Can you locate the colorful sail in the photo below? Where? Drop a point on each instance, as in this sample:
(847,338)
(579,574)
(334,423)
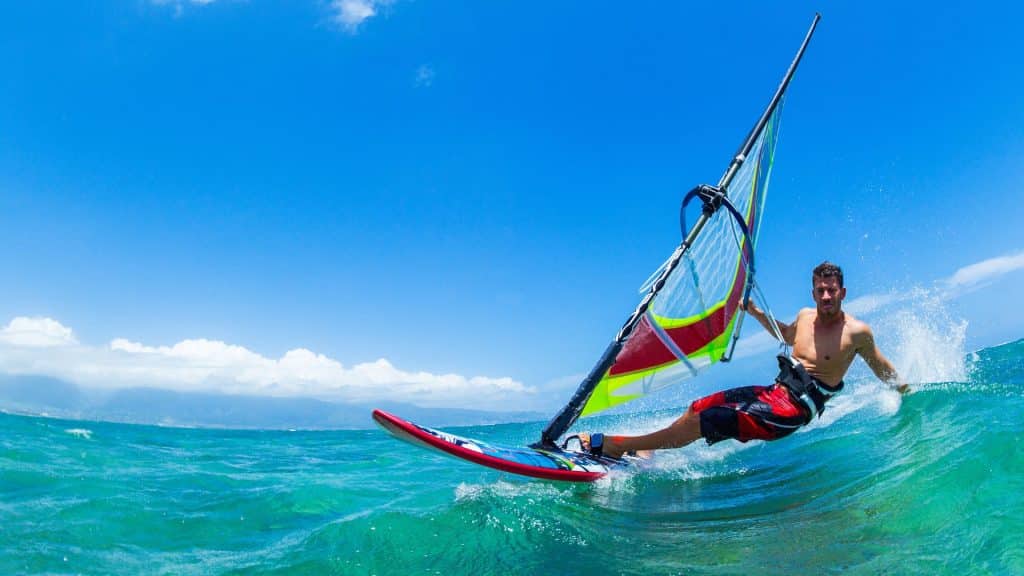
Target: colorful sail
(692,308)
(689,324)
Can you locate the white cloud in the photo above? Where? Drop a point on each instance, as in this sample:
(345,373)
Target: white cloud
(43,346)
(36,332)
(868,303)
(985,272)
(350,14)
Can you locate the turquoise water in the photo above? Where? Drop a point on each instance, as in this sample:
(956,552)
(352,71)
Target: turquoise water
(932,483)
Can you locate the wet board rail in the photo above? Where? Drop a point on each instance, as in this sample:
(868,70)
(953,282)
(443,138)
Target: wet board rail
(547,463)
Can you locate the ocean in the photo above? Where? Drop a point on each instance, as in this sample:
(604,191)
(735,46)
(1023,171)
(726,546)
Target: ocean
(930,483)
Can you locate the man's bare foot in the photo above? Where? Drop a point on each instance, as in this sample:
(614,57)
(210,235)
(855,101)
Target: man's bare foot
(607,449)
(611,447)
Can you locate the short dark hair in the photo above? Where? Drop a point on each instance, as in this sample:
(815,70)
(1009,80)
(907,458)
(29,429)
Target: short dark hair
(828,270)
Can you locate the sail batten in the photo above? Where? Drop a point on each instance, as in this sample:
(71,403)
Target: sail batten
(687,319)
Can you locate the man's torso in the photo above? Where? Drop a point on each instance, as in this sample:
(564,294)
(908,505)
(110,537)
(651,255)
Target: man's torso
(826,349)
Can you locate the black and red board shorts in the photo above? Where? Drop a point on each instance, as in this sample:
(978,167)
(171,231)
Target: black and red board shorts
(749,413)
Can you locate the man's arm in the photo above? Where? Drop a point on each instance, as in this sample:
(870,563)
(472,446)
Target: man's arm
(878,363)
(788,331)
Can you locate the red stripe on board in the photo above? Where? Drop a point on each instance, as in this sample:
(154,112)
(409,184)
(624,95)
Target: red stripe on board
(410,433)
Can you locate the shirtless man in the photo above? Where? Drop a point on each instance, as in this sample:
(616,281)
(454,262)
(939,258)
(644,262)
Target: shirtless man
(825,341)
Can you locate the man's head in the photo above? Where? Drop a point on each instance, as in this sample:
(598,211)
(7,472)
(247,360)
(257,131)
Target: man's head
(827,289)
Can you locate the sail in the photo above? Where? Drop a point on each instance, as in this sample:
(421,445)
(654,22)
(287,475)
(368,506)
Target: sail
(689,324)
(692,309)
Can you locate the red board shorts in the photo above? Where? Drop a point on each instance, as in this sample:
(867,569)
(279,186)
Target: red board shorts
(749,413)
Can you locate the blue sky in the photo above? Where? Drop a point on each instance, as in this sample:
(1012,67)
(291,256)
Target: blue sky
(454,203)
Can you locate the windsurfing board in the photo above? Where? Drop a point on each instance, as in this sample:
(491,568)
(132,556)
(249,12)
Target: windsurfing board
(550,464)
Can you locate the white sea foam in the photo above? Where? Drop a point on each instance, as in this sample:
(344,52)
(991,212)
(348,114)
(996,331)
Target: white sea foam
(80,433)
(505,489)
(366,512)
(859,396)
(921,334)
(929,342)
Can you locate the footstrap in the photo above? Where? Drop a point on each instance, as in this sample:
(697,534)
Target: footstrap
(596,444)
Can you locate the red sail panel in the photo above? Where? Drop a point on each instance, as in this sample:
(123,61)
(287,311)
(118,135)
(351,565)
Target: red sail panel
(644,350)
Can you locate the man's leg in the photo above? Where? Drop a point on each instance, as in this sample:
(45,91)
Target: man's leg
(684,430)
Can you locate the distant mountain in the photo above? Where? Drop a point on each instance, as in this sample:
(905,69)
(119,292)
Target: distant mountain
(43,395)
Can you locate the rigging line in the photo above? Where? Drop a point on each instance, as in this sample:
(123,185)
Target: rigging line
(646,286)
(752,284)
(713,199)
(755,286)
(748,265)
(695,278)
(771,319)
(667,341)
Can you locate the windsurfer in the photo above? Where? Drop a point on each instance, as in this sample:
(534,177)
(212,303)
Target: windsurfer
(825,342)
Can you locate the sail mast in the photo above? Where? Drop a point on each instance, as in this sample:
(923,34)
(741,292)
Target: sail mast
(741,154)
(568,415)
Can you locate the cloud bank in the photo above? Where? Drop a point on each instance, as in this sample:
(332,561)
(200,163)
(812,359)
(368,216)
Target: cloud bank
(43,346)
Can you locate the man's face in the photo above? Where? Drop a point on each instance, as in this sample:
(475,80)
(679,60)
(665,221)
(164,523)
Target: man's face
(828,295)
